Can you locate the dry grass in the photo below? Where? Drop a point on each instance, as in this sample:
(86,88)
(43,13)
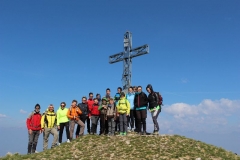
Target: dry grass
(132,147)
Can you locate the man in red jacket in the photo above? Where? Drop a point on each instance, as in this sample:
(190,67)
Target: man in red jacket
(89,103)
(34,129)
(94,114)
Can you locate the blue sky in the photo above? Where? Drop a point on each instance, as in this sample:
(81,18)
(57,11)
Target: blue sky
(53,51)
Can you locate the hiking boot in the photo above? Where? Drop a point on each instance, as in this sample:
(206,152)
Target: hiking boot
(144,133)
(124,133)
(68,141)
(77,136)
(121,133)
(59,144)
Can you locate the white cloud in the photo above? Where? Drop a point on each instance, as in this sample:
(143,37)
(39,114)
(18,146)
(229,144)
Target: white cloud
(23,112)
(207,116)
(2,116)
(184,80)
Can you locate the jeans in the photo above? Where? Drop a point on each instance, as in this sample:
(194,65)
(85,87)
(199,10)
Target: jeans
(32,141)
(154,118)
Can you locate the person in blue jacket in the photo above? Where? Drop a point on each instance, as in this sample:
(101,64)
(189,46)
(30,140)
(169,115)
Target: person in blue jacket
(131,117)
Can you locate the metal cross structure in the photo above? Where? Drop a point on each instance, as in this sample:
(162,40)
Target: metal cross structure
(126,56)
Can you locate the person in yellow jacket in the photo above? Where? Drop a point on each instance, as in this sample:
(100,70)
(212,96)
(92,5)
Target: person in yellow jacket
(123,110)
(48,124)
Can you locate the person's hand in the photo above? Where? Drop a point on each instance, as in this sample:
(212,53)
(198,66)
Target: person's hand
(127,114)
(30,131)
(89,117)
(58,127)
(42,129)
(118,115)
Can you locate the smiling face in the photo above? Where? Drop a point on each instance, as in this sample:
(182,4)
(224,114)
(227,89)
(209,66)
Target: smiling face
(130,90)
(108,92)
(90,96)
(51,108)
(139,89)
(74,104)
(95,101)
(62,105)
(84,100)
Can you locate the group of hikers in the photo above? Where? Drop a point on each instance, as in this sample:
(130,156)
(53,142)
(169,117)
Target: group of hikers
(118,115)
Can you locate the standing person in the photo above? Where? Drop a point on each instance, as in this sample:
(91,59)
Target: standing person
(34,129)
(48,124)
(116,99)
(103,116)
(131,117)
(63,121)
(94,115)
(123,110)
(89,103)
(136,123)
(84,116)
(73,114)
(108,94)
(117,95)
(154,107)
(111,117)
(98,96)
(141,102)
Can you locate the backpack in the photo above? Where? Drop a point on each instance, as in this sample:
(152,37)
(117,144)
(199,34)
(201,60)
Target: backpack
(159,98)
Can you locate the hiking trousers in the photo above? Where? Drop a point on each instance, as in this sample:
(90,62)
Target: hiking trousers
(94,120)
(123,122)
(62,125)
(47,131)
(111,125)
(131,119)
(141,119)
(32,141)
(103,124)
(72,125)
(154,118)
(83,118)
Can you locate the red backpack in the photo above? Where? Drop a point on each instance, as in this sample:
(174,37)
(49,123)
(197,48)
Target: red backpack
(159,98)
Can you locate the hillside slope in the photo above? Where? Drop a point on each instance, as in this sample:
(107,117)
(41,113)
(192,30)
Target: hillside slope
(132,147)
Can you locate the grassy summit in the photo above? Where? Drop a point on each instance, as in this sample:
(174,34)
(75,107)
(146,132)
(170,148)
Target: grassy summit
(132,147)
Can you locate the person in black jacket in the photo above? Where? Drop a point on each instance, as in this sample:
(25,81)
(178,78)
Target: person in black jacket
(84,116)
(141,103)
(154,107)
